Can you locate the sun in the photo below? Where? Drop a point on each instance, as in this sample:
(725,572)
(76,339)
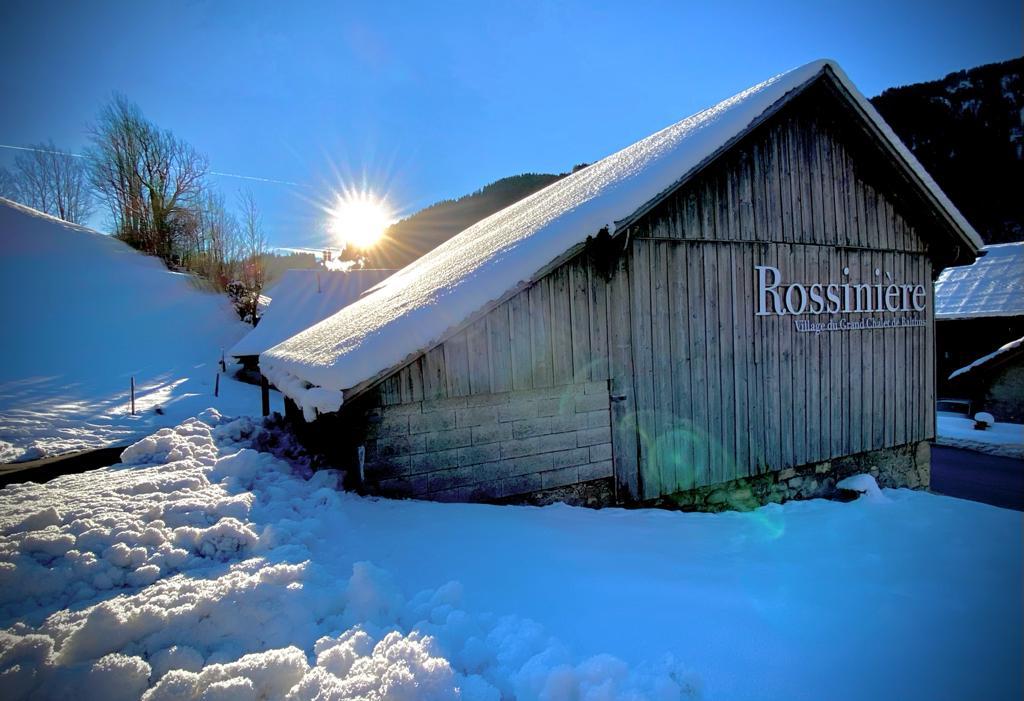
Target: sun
(360,218)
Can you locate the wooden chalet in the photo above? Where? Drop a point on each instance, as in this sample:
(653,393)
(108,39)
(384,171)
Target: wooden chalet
(738,309)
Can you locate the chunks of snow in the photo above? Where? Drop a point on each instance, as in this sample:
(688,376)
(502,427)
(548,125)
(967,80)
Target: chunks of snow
(208,589)
(231,576)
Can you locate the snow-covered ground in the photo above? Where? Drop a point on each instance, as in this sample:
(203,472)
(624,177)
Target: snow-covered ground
(201,568)
(1000,439)
(82,313)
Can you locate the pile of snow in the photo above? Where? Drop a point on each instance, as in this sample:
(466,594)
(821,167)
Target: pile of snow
(863,484)
(414,308)
(203,569)
(991,286)
(82,313)
(999,439)
(302,298)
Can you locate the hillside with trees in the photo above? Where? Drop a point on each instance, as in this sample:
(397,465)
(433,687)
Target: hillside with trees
(410,238)
(155,189)
(967,129)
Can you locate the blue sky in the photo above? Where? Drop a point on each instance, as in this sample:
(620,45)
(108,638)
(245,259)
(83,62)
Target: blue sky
(426,101)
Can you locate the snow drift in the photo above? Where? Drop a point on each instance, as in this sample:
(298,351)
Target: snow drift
(82,313)
(223,582)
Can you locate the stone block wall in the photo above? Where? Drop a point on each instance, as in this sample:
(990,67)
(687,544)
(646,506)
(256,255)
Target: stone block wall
(903,466)
(490,447)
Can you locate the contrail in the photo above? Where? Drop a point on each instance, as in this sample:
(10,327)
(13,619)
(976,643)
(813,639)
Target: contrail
(258,179)
(41,150)
(212,172)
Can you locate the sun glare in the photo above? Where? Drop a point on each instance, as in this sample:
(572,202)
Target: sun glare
(359,219)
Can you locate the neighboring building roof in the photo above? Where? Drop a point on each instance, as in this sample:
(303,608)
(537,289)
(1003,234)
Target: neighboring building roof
(427,299)
(999,354)
(991,286)
(300,299)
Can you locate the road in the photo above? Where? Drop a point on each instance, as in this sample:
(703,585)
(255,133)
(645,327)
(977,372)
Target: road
(977,476)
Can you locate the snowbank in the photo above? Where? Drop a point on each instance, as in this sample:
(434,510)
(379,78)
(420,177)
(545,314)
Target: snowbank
(414,308)
(222,583)
(203,569)
(82,313)
(999,439)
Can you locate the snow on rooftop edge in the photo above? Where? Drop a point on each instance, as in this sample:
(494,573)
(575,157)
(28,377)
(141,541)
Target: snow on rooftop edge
(1005,348)
(302,298)
(991,286)
(415,308)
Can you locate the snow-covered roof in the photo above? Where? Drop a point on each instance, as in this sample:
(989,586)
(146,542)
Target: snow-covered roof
(991,286)
(417,306)
(300,299)
(985,360)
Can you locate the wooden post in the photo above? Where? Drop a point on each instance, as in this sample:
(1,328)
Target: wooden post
(133,395)
(265,395)
(216,386)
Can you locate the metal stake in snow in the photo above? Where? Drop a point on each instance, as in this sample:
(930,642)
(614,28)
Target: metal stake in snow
(216,386)
(133,395)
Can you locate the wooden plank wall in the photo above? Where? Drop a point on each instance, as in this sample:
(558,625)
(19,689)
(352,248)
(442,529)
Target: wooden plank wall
(553,333)
(702,391)
(744,395)
(722,394)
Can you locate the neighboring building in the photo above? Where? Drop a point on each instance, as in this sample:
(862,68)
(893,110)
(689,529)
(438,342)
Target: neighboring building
(300,299)
(736,309)
(994,383)
(978,309)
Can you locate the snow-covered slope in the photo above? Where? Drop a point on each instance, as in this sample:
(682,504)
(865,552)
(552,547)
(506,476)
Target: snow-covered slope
(415,307)
(202,569)
(991,286)
(81,314)
(300,299)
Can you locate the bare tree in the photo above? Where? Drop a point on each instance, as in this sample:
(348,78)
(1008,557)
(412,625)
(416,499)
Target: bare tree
(151,181)
(9,186)
(253,243)
(50,180)
(254,240)
(212,247)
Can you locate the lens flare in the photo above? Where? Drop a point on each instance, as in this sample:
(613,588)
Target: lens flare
(359,219)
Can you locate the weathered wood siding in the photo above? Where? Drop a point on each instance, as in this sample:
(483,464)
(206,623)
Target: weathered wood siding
(515,402)
(721,393)
(554,333)
(702,391)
